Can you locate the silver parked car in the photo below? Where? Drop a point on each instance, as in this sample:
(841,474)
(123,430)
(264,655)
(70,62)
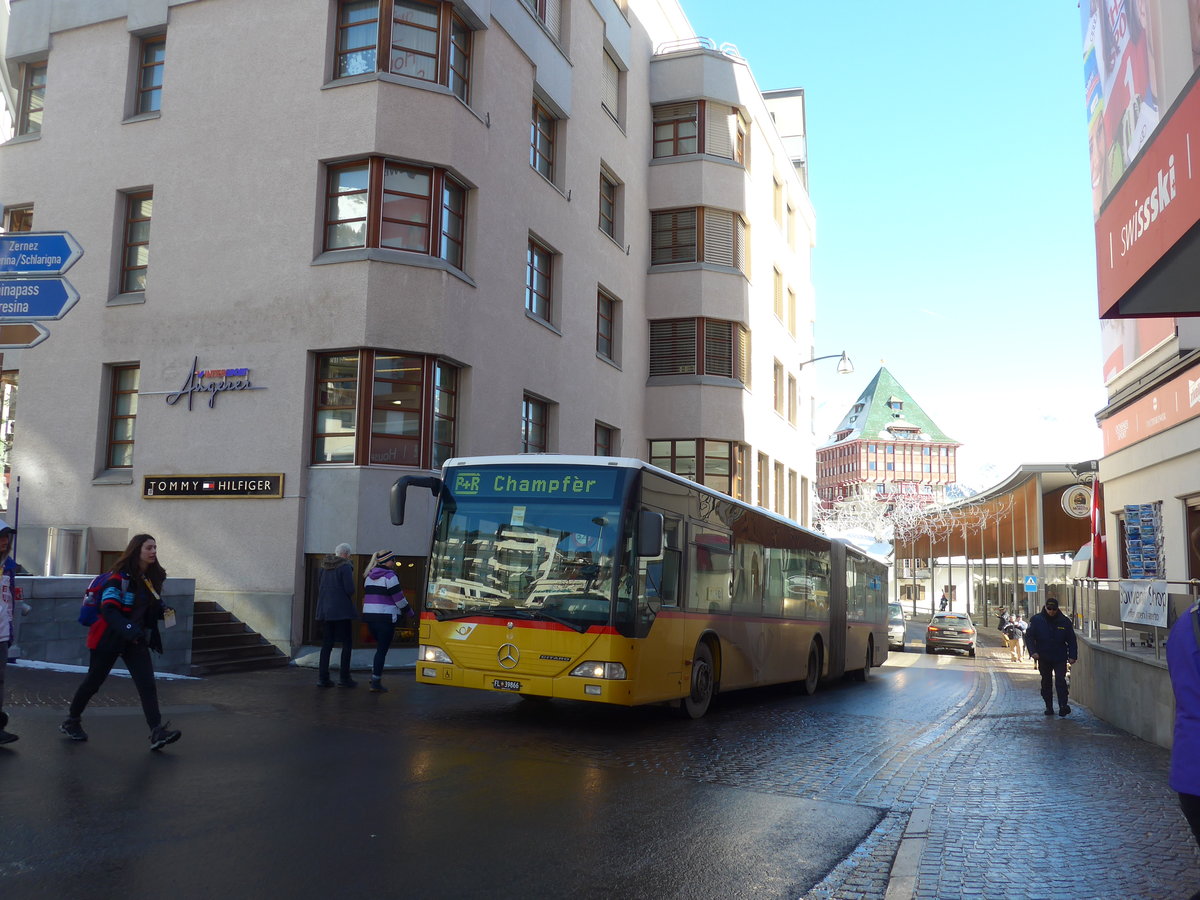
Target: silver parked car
(950,631)
(895,626)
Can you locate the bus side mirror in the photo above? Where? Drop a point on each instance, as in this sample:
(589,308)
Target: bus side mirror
(650,534)
(400,492)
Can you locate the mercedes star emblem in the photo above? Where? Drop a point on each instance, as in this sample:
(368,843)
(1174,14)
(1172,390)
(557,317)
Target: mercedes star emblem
(508,655)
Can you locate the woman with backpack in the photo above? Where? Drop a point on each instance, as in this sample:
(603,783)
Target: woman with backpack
(127,629)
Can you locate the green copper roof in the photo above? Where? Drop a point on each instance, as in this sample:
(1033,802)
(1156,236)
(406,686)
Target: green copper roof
(874,416)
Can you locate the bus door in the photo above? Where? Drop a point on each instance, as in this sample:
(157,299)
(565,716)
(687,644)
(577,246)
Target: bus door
(838,625)
(658,625)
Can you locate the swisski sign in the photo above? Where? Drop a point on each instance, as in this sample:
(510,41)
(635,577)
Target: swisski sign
(37,253)
(32,288)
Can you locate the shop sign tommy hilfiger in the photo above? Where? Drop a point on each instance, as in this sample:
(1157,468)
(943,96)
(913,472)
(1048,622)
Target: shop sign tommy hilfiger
(211,382)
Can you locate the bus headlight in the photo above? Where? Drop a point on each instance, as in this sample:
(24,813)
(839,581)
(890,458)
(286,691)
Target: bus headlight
(429,653)
(608,670)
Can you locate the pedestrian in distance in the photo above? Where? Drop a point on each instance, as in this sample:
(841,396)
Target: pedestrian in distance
(946,602)
(1014,637)
(8,613)
(1183,663)
(130,609)
(1050,640)
(383,603)
(335,607)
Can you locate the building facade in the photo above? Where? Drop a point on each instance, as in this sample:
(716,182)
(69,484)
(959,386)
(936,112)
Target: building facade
(1143,102)
(394,232)
(886,448)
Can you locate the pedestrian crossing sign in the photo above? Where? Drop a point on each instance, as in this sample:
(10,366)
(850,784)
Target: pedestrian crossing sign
(1031,584)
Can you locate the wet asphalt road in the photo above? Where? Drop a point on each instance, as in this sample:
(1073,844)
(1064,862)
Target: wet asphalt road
(282,789)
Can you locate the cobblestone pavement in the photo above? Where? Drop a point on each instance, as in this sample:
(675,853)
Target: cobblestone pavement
(983,798)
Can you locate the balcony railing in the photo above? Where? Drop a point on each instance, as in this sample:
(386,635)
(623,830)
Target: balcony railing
(698,43)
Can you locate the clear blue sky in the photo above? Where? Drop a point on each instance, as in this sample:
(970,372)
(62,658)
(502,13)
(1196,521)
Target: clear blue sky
(948,165)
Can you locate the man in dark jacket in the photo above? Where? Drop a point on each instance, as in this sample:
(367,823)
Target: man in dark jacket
(336,609)
(1050,640)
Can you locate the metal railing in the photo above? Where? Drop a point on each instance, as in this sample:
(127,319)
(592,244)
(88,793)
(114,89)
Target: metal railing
(697,43)
(1096,611)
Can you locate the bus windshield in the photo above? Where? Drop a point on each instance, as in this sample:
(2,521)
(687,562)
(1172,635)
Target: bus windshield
(542,542)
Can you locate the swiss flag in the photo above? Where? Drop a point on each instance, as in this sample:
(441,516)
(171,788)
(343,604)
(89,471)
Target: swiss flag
(1099,541)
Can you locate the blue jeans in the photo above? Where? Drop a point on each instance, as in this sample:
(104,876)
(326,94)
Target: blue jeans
(382,630)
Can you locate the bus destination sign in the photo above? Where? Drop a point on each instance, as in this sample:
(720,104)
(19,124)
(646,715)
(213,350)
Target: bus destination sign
(535,483)
(201,487)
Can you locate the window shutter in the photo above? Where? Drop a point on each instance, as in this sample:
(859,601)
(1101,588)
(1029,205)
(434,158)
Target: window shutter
(743,357)
(718,348)
(612,79)
(720,130)
(673,347)
(671,111)
(739,244)
(554,17)
(719,246)
(673,236)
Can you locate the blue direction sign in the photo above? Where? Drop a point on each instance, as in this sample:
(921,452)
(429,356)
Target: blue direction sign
(30,299)
(37,253)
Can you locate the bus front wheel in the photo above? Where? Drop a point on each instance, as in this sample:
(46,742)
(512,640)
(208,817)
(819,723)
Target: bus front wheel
(812,675)
(695,704)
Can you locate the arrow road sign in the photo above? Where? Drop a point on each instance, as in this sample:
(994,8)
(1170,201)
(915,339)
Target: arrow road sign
(19,335)
(37,253)
(30,299)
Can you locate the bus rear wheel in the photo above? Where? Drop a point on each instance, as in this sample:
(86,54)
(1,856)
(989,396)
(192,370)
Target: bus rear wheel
(695,704)
(812,674)
(864,674)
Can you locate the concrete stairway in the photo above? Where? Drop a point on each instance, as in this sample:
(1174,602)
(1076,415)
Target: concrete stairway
(223,643)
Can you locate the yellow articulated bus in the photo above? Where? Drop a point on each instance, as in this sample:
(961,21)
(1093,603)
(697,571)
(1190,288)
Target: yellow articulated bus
(604,579)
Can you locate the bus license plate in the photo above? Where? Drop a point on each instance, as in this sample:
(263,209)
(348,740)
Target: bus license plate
(502,684)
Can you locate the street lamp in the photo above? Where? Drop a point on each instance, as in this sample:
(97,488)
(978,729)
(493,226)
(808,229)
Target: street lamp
(844,366)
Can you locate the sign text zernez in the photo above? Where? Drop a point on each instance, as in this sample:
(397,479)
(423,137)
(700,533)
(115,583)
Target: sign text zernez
(191,487)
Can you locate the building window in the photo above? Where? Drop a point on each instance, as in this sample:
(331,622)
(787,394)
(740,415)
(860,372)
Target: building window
(606,326)
(539,274)
(18,218)
(778,196)
(699,126)
(764,485)
(392,205)
(122,416)
(610,96)
(608,206)
(135,256)
(535,420)
(792,403)
(792,487)
(409,400)
(700,347)
(791,312)
(697,234)
(779,395)
(779,295)
(150,73)
(549,13)
(33,98)
(606,440)
(424,41)
(780,486)
(542,127)
(715,464)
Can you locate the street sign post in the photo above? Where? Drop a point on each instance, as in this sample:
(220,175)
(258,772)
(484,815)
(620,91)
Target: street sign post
(34,299)
(37,252)
(19,335)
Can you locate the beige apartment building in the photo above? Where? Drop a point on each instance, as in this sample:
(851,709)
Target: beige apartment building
(330,242)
